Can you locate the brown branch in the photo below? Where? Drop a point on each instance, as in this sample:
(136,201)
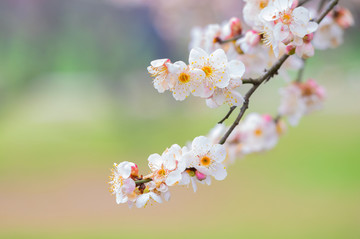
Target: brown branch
(301,72)
(249,81)
(302,2)
(329,7)
(228,40)
(321,5)
(267,76)
(232,108)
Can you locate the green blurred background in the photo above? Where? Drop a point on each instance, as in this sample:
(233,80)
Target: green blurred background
(75,97)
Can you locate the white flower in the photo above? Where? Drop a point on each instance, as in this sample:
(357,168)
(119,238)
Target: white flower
(249,42)
(252,10)
(228,94)
(190,177)
(159,70)
(205,38)
(214,66)
(206,158)
(284,20)
(168,167)
(329,34)
(121,183)
(258,133)
(292,105)
(143,199)
(184,80)
(299,99)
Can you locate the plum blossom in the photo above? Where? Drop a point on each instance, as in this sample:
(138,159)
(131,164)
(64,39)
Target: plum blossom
(228,94)
(299,99)
(207,158)
(159,70)
(167,168)
(283,21)
(214,66)
(122,185)
(258,133)
(252,10)
(185,80)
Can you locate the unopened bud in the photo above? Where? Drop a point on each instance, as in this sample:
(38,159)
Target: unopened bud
(252,38)
(235,26)
(308,38)
(343,17)
(134,171)
(200,176)
(290,49)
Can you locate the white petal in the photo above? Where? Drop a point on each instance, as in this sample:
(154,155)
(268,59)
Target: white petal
(120,197)
(269,13)
(311,27)
(219,172)
(236,69)
(142,200)
(197,57)
(155,161)
(167,195)
(159,62)
(156,197)
(301,15)
(124,169)
(218,59)
(173,178)
(201,145)
(193,183)
(298,29)
(218,153)
(221,77)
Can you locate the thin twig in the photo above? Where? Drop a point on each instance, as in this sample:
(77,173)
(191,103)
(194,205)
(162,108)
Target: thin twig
(301,72)
(329,7)
(268,75)
(303,2)
(249,81)
(229,40)
(321,5)
(232,108)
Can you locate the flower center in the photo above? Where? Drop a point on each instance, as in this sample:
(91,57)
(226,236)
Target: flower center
(205,161)
(263,4)
(258,132)
(208,70)
(161,172)
(286,17)
(184,78)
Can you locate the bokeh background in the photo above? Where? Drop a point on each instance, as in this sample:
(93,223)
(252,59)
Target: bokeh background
(75,97)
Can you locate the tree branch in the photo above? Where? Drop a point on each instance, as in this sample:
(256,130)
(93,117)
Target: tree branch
(329,7)
(267,76)
(232,108)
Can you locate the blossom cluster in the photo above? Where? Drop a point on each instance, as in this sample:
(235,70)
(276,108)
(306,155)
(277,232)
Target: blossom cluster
(197,163)
(223,58)
(209,76)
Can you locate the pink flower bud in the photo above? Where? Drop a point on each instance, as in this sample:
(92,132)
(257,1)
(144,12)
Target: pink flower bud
(290,49)
(134,171)
(343,17)
(308,38)
(252,38)
(267,118)
(235,26)
(200,176)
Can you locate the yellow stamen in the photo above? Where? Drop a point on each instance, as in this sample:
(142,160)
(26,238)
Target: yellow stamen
(184,78)
(205,161)
(208,70)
